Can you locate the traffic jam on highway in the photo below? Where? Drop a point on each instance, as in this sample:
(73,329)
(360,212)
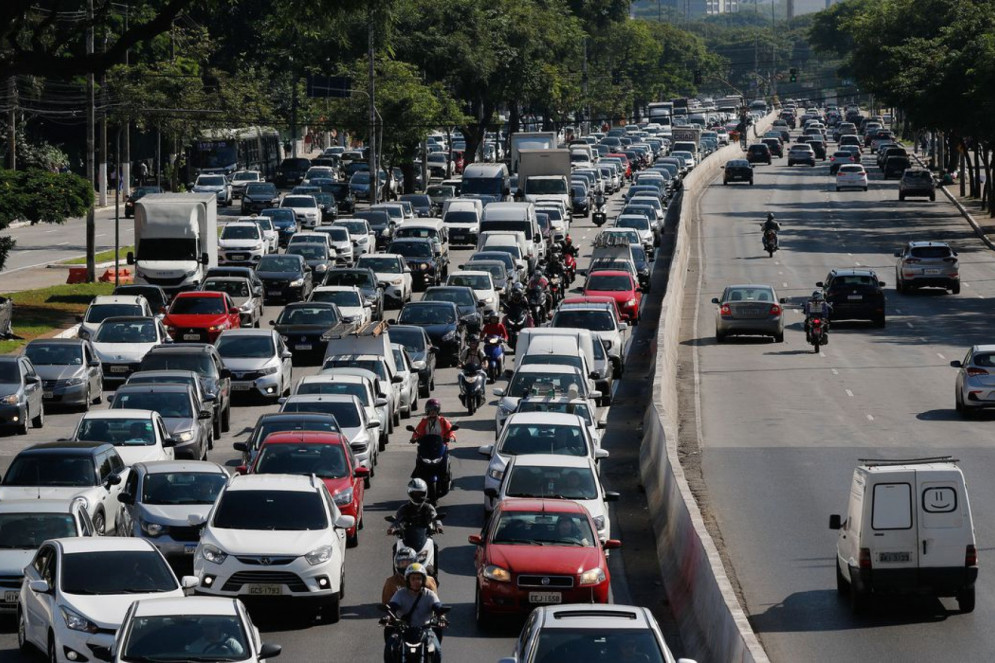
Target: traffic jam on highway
(242,408)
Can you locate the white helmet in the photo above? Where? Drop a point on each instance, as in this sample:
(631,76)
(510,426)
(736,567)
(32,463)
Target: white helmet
(417,491)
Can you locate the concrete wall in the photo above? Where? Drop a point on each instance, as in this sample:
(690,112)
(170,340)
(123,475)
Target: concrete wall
(713,626)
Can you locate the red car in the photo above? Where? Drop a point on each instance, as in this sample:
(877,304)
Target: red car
(327,456)
(535,552)
(582,299)
(201,316)
(625,162)
(620,286)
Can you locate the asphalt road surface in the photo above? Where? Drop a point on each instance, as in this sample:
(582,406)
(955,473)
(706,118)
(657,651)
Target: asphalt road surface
(781,428)
(357,636)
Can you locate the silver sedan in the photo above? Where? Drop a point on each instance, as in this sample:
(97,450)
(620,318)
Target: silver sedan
(975,387)
(749,309)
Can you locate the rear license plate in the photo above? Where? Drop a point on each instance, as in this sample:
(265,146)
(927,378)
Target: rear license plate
(854,298)
(189,548)
(303,346)
(240,386)
(47,394)
(894,557)
(10,596)
(545,597)
(191,337)
(274,293)
(119,369)
(932,271)
(263,590)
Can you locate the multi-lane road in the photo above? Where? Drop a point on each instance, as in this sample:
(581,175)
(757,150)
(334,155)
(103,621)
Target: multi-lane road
(357,637)
(781,428)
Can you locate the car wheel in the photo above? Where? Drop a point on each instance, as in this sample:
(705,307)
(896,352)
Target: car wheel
(865,189)
(842,586)
(39,419)
(22,632)
(22,424)
(52,651)
(932,197)
(352,541)
(837,189)
(216,431)
(478,610)
(901,197)
(424,390)
(965,599)
(858,600)
(100,523)
(397,417)
(879,322)
(719,336)
(779,337)
(955,288)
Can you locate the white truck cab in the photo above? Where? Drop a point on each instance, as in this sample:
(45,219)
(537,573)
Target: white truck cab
(907,529)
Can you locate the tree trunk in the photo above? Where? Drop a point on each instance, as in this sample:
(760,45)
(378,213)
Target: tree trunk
(976,173)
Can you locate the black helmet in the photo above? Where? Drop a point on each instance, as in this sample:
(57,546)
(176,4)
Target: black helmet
(473,338)
(770,216)
(471,368)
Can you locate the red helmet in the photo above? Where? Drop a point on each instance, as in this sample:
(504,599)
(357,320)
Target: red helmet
(433,405)
(568,241)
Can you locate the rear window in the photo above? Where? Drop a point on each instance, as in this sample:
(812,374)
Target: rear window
(892,506)
(930,252)
(852,168)
(918,176)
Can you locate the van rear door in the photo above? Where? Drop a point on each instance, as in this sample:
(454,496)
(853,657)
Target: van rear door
(893,525)
(945,528)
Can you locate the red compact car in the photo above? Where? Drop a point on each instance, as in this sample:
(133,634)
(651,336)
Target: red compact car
(620,286)
(201,316)
(327,456)
(537,552)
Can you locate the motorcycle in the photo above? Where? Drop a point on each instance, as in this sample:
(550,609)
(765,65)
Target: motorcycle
(472,383)
(599,216)
(432,464)
(412,643)
(419,539)
(555,289)
(516,319)
(494,351)
(770,242)
(818,332)
(537,303)
(570,267)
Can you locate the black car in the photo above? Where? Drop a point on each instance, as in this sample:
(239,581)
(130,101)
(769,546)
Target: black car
(285,277)
(643,266)
(129,202)
(737,170)
(243,272)
(854,294)
(426,266)
(343,198)
(317,256)
(302,325)
(421,203)
(363,278)
(379,221)
(819,147)
(775,146)
(441,321)
(259,196)
(326,203)
(758,153)
(204,360)
(157,298)
(422,353)
(285,222)
(916,182)
(465,300)
(580,202)
(291,171)
(894,166)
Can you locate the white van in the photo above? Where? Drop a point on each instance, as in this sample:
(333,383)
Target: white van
(433,229)
(581,338)
(462,217)
(506,237)
(907,529)
(520,217)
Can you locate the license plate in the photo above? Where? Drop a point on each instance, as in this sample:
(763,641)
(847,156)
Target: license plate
(274,293)
(263,590)
(238,256)
(189,548)
(10,596)
(47,394)
(191,337)
(894,557)
(932,271)
(545,597)
(240,386)
(119,369)
(302,346)
(854,298)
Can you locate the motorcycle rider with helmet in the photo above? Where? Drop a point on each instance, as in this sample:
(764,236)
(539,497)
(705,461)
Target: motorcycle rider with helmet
(539,284)
(770,224)
(473,353)
(433,423)
(417,511)
(816,306)
(569,248)
(493,326)
(403,558)
(415,604)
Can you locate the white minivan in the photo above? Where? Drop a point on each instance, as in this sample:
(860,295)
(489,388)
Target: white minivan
(907,529)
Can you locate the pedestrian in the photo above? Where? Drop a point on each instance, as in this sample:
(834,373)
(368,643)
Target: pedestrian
(143,173)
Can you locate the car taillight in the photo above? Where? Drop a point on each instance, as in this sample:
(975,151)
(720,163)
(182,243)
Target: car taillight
(911,261)
(951,259)
(971,556)
(725,310)
(775,309)
(974,370)
(865,558)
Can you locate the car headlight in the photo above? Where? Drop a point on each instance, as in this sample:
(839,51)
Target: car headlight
(319,555)
(152,529)
(76,621)
(72,382)
(269,370)
(424,266)
(592,577)
(320,268)
(185,436)
(343,497)
(496,573)
(495,473)
(221,327)
(213,554)
(9,400)
(599,522)
(449,335)
(631,302)
(396,281)
(297,283)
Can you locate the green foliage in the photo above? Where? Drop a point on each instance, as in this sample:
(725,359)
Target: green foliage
(42,196)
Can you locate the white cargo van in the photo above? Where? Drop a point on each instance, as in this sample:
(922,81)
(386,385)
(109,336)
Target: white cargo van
(516,217)
(581,338)
(506,237)
(907,529)
(462,218)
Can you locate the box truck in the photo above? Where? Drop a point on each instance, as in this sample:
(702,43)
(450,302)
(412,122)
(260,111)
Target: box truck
(530,140)
(544,175)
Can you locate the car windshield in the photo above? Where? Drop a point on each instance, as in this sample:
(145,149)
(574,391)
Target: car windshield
(100,312)
(236,231)
(261,189)
(460,217)
(121,432)
(571,483)
(333,387)
(327,461)
(531,383)
(280,424)
(179,361)
(498,272)
(596,645)
(27,531)
(339,297)
(186,637)
(54,354)
(354,227)
(207,305)
(278,264)
(344,412)
(455,295)
(174,488)
(137,331)
(387,265)
(637,222)
(298,201)
(116,572)
(543,528)
(375,366)
(412,339)
(310,251)
(246,347)
(608,283)
(169,404)
(426,315)
(475,281)
(211,180)
(235,289)
(579,408)
(358,279)
(308,315)
(272,510)
(521,439)
(337,234)
(50,470)
(410,250)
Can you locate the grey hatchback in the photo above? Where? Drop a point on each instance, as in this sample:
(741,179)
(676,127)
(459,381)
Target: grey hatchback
(749,309)
(927,264)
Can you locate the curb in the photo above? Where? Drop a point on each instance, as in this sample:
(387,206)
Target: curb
(68,333)
(62,265)
(963,211)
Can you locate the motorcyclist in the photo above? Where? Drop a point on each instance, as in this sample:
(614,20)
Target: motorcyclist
(403,558)
(415,604)
(493,326)
(540,284)
(417,511)
(473,353)
(568,247)
(770,224)
(433,423)
(816,306)
(516,300)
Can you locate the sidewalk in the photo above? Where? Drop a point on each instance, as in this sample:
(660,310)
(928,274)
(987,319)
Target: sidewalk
(969,207)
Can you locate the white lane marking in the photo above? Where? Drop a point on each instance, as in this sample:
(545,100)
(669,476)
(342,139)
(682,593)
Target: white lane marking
(849,254)
(101,235)
(848,393)
(47,232)
(940,355)
(870,418)
(780,273)
(784,284)
(62,243)
(835,372)
(822,354)
(909,324)
(857,264)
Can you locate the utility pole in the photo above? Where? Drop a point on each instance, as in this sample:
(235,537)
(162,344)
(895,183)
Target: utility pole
(370,90)
(293,117)
(90,117)
(125,168)
(587,105)
(103,133)
(12,123)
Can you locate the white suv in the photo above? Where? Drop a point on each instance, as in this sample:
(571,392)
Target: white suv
(275,536)
(242,243)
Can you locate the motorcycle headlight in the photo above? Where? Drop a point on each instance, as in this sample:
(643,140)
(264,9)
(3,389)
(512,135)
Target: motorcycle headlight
(343,497)
(76,621)
(592,577)
(213,554)
(319,555)
(297,283)
(496,573)
(9,400)
(152,529)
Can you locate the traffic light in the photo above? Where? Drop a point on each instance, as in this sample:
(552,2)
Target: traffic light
(697,76)
(794,74)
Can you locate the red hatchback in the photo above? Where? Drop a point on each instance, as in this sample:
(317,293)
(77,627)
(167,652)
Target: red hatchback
(327,456)
(621,287)
(538,552)
(200,316)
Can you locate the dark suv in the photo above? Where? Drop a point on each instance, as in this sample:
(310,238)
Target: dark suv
(204,360)
(758,153)
(259,196)
(916,182)
(292,171)
(854,294)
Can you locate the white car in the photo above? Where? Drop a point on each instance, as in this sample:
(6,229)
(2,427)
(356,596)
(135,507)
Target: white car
(138,435)
(270,232)
(349,299)
(352,418)
(193,628)
(111,306)
(565,477)
(393,274)
(529,379)
(566,405)
(408,385)
(216,184)
(601,319)
(291,522)
(687,156)
(359,382)
(259,361)
(76,592)
(341,243)
(240,179)
(851,176)
(121,343)
(241,243)
(482,284)
(364,241)
(536,433)
(383,379)
(305,209)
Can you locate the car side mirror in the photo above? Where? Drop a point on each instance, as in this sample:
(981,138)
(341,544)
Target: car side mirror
(286,354)
(361,472)
(499,392)
(601,454)
(345,522)
(380,402)
(126,498)
(882,283)
(269,650)
(113,480)
(272,323)
(474,539)
(168,442)
(715,300)
(835,522)
(79,318)
(233,311)
(39,586)
(205,414)
(241,446)
(819,284)
(373,424)
(612,544)
(189,582)
(486,450)
(491,492)
(397,379)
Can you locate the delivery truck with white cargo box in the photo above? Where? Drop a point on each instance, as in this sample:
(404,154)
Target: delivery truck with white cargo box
(530,140)
(176,240)
(544,175)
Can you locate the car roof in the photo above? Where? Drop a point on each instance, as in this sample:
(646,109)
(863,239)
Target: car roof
(552,460)
(533,504)
(199,293)
(120,413)
(38,506)
(82,544)
(71,448)
(57,341)
(750,285)
(182,348)
(117,299)
(854,271)
(545,418)
(167,387)
(315,398)
(305,437)
(247,331)
(186,605)
(914,244)
(594,617)
(282,482)
(168,466)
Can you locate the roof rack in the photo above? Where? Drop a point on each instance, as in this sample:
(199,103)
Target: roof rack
(884,462)
(370,329)
(610,239)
